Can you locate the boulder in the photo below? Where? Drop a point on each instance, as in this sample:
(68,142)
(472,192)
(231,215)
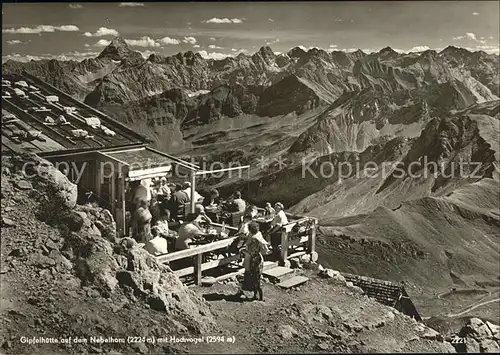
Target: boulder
(430,334)
(353,288)
(472,346)
(74,220)
(329,273)
(314,257)
(41,261)
(287,332)
(102,219)
(60,260)
(62,193)
(320,335)
(23,185)
(477,329)
(323,346)
(489,346)
(7,222)
(495,330)
(306,258)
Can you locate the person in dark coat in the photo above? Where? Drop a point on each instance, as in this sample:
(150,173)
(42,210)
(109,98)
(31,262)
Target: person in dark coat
(254,250)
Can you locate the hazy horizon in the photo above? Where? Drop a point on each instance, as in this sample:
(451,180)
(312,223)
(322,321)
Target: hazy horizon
(217,30)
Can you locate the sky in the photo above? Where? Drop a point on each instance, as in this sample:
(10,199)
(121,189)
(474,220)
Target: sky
(217,30)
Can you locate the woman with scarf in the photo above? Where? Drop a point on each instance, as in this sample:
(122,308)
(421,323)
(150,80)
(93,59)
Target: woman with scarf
(255,248)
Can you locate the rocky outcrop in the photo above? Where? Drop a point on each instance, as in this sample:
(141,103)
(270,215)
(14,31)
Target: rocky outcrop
(48,179)
(106,266)
(478,337)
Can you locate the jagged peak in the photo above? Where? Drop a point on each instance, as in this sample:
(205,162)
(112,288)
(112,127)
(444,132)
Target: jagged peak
(266,51)
(118,49)
(359,52)
(454,50)
(387,50)
(428,53)
(296,52)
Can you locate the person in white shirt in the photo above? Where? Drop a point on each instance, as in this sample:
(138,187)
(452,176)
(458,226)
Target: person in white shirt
(187,232)
(164,192)
(161,225)
(147,184)
(187,189)
(280,218)
(278,221)
(157,245)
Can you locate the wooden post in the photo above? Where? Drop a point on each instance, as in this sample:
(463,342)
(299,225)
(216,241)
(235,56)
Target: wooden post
(193,181)
(120,217)
(112,181)
(284,245)
(98,177)
(198,259)
(311,247)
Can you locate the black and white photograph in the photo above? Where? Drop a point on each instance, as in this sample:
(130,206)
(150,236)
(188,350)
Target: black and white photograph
(250,177)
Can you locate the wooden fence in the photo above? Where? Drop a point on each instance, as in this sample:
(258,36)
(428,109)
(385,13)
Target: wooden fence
(301,232)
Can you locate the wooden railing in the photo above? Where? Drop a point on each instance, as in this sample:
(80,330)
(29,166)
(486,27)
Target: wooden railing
(300,232)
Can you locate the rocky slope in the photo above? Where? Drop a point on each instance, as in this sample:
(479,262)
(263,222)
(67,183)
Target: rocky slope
(66,275)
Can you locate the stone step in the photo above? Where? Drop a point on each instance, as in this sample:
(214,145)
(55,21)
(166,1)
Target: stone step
(293,281)
(277,274)
(270,265)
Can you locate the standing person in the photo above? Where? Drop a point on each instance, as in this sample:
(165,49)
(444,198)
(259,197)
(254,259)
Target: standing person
(279,220)
(255,248)
(187,189)
(163,190)
(147,185)
(178,202)
(239,204)
(142,218)
(139,193)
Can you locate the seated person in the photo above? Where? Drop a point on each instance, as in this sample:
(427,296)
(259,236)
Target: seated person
(155,209)
(187,232)
(161,225)
(252,211)
(157,245)
(213,198)
(201,218)
(269,210)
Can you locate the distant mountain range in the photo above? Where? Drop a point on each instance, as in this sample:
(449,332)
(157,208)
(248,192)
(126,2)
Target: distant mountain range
(360,98)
